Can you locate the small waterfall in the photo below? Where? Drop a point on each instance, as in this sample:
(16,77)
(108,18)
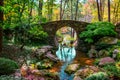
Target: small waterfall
(66,54)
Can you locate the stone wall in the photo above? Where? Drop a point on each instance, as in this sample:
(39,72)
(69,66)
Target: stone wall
(52,27)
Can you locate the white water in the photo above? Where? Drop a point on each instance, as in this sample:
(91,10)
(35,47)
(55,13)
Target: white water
(65,54)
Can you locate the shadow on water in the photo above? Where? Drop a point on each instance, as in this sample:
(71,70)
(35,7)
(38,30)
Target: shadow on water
(67,57)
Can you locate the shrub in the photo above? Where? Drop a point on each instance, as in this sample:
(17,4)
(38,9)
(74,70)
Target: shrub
(98,76)
(96,62)
(118,65)
(100,46)
(118,56)
(111,70)
(37,34)
(7,66)
(45,64)
(6,77)
(95,31)
(111,52)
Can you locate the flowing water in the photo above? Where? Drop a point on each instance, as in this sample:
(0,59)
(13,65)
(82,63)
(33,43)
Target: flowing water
(67,56)
(63,75)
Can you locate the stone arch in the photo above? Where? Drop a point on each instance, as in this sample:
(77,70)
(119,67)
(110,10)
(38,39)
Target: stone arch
(52,27)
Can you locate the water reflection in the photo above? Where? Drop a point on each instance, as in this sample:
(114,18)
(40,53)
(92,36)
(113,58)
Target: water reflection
(66,54)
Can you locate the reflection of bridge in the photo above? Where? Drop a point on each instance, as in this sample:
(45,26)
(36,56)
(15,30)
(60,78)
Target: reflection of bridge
(52,27)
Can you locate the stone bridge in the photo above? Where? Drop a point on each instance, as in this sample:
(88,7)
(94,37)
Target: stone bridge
(52,27)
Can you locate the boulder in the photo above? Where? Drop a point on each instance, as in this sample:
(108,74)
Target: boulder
(71,68)
(115,52)
(108,40)
(41,52)
(47,47)
(83,73)
(51,56)
(98,76)
(77,78)
(103,53)
(106,60)
(92,53)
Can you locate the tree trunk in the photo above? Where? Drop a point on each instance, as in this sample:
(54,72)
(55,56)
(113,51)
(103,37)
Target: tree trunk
(109,10)
(1,20)
(30,7)
(40,7)
(102,5)
(48,7)
(51,9)
(61,10)
(100,10)
(76,13)
(99,17)
(71,10)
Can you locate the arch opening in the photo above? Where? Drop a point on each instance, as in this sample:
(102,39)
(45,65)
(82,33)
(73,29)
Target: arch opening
(65,35)
(66,40)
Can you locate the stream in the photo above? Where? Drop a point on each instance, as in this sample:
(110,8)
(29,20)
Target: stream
(70,55)
(63,75)
(65,54)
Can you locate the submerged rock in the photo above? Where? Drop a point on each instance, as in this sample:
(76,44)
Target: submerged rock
(71,68)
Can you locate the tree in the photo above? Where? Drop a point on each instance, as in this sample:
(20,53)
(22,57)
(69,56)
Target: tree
(40,8)
(115,11)
(100,8)
(1,20)
(61,9)
(19,15)
(71,10)
(50,4)
(30,9)
(99,18)
(76,12)
(109,10)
